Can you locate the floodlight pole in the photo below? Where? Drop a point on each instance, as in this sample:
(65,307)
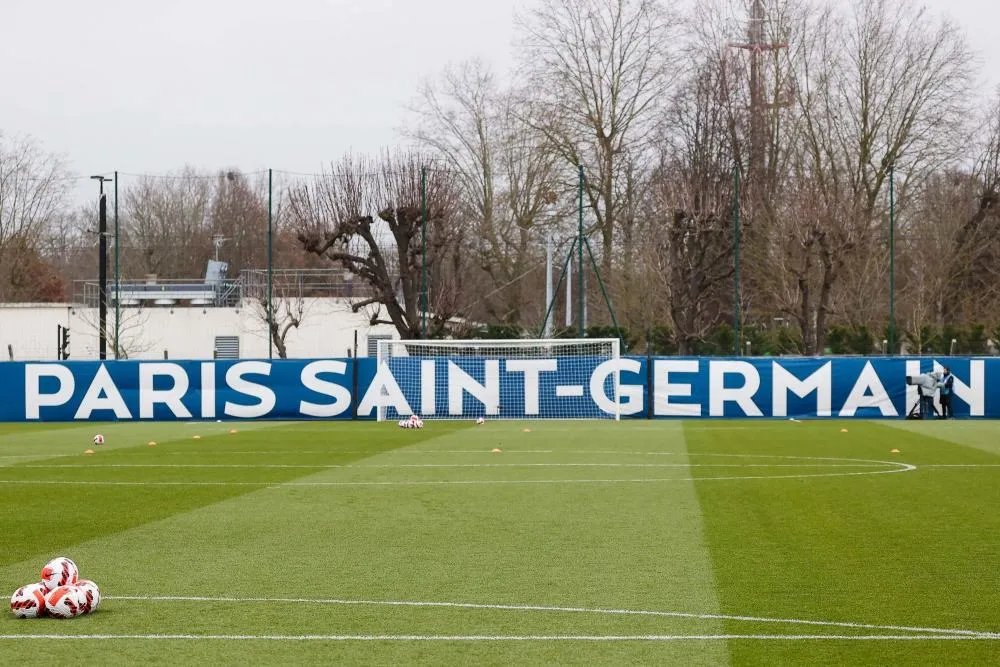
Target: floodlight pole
(118,276)
(892,258)
(102,267)
(423,252)
(579,250)
(737,326)
(270,264)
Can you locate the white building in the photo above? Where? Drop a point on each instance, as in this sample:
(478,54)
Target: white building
(29,332)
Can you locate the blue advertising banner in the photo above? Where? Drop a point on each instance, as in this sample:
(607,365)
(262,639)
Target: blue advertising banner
(564,387)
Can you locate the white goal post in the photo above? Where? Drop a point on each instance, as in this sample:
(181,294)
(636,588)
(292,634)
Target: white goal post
(572,378)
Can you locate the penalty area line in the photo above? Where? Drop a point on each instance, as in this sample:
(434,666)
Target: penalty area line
(496,638)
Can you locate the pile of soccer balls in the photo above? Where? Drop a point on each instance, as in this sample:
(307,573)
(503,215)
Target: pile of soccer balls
(61,593)
(413,422)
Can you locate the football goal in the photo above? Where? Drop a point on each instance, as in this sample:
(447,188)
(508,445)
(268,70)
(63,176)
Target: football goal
(499,379)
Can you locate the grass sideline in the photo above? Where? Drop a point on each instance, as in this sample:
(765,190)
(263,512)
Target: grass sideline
(698,542)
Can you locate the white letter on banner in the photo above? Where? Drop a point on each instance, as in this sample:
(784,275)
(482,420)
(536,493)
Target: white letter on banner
(487,393)
(149,397)
(663,389)
(974,393)
(34,400)
(428,388)
(821,382)
(629,395)
(264,395)
(311,381)
(531,369)
(719,394)
(868,392)
(102,394)
(208,390)
(384,392)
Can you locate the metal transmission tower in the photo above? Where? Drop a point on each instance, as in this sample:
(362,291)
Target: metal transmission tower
(760,42)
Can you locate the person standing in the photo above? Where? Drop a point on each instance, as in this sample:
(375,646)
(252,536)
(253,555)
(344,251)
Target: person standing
(946,385)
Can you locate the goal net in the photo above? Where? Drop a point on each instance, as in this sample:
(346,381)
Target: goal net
(499,379)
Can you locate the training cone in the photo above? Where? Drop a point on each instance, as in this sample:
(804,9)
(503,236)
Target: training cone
(843,430)
(197,437)
(894,451)
(497,450)
(151,443)
(527,430)
(88,451)
(232,431)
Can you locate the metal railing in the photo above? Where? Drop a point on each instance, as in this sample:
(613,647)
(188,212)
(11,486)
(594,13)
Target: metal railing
(251,284)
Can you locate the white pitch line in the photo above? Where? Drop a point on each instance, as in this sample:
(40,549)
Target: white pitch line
(325,466)
(553,608)
(468,482)
(497,638)
(961,465)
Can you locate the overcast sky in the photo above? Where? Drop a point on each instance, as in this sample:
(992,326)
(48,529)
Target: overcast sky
(151,85)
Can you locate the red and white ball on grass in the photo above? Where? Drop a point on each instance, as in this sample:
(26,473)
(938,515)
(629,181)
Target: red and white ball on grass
(90,595)
(29,601)
(60,572)
(65,602)
(98,439)
(413,422)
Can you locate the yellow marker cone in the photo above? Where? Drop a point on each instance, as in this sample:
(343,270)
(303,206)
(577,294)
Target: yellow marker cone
(197,437)
(152,443)
(527,430)
(894,451)
(88,451)
(232,431)
(843,430)
(497,450)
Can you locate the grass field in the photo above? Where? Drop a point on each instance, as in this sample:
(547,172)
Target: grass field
(581,542)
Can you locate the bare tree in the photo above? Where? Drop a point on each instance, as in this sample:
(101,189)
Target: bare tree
(505,179)
(367,216)
(288,310)
(598,71)
(34,186)
(238,214)
(692,202)
(880,88)
(168,219)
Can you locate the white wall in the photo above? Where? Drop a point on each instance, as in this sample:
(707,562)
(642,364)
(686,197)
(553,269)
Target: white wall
(182,332)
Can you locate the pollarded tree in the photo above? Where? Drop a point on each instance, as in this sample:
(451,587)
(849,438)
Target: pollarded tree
(367,216)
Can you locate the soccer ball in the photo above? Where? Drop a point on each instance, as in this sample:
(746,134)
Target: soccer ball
(98,439)
(28,601)
(65,602)
(60,572)
(481,421)
(413,422)
(90,595)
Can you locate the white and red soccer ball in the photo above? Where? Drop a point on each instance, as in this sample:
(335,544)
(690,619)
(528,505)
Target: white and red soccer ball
(413,422)
(29,601)
(65,602)
(90,595)
(98,439)
(61,593)
(60,572)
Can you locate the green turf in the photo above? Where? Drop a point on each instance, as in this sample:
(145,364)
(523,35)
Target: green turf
(349,530)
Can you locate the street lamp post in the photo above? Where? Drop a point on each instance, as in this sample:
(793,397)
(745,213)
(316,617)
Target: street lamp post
(102,268)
